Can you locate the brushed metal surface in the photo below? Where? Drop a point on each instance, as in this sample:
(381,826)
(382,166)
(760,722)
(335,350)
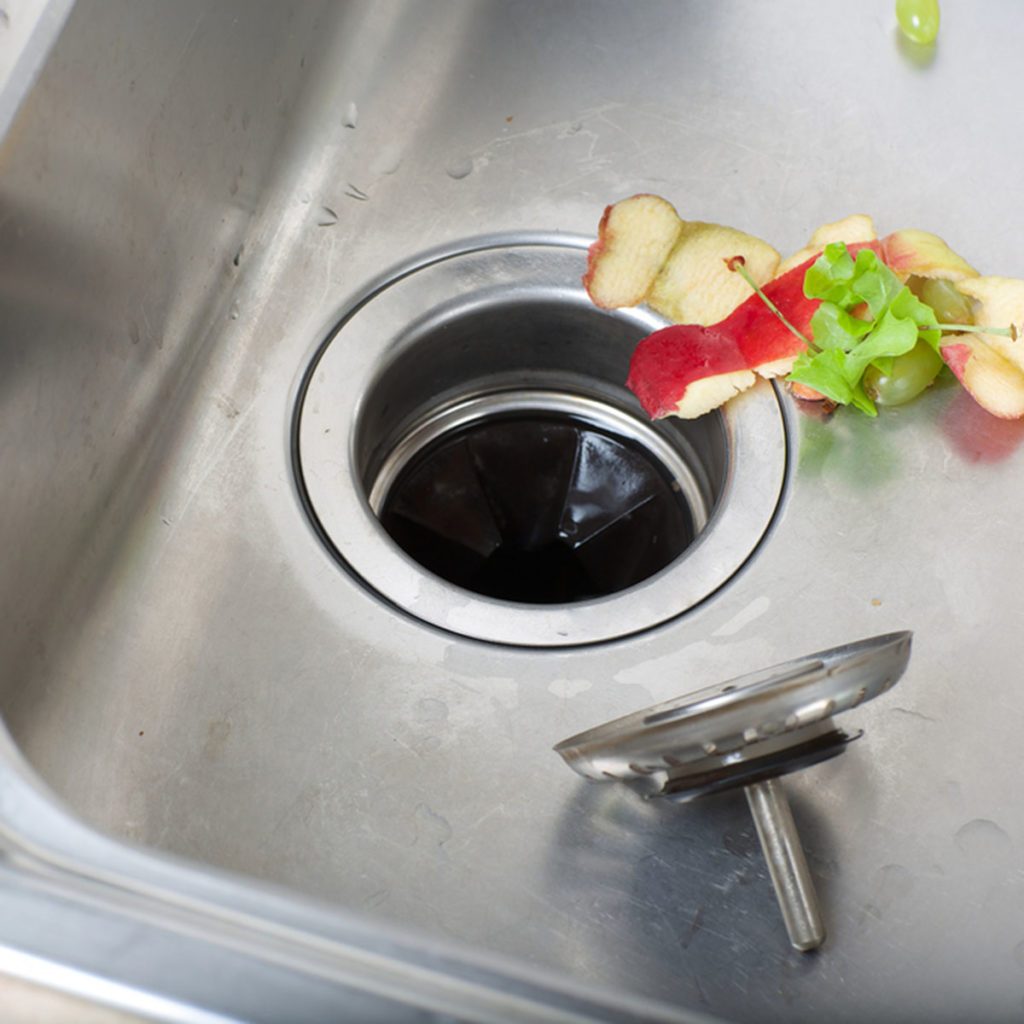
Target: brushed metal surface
(191,194)
(736,718)
(787,864)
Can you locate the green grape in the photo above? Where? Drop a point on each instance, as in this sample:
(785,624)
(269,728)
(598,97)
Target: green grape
(911,374)
(918,20)
(950,305)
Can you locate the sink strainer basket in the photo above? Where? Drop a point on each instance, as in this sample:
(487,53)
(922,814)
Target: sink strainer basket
(746,733)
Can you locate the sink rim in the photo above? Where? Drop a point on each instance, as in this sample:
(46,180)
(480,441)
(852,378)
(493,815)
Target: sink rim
(188,923)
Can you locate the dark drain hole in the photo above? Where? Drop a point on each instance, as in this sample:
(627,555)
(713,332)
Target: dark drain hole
(537,509)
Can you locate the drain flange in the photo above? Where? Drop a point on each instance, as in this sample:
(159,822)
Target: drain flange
(468,449)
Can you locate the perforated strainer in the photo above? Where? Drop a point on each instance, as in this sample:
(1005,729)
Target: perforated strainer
(747,732)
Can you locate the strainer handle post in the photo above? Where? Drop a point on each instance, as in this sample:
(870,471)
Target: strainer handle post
(787,864)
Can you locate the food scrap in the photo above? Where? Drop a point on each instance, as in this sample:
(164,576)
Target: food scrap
(850,319)
(918,20)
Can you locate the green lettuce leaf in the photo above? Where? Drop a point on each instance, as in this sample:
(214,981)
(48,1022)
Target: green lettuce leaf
(907,305)
(827,372)
(845,345)
(833,327)
(828,278)
(893,336)
(873,282)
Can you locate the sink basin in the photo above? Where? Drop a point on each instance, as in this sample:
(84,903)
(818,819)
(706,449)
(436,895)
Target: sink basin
(192,198)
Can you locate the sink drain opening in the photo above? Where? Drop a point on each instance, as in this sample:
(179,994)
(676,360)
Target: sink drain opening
(468,448)
(539,497)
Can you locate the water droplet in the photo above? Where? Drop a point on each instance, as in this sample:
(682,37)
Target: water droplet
(328,217)
(568,688)
(982,839)
(388,160)
(460,167)
(351,118)
(304,197)
(234,311)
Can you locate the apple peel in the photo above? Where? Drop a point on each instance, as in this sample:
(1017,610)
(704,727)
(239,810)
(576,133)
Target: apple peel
(998,300)
(996,384)
(645,252)
(695,286)
(722,342)
(922,254)
(905,253)
(858,227)
(687,370)
(989,366)
(634,239)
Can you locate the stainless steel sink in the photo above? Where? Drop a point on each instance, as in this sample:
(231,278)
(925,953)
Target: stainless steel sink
(191,199)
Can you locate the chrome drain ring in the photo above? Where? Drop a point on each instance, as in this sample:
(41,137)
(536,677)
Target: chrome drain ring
(462,331)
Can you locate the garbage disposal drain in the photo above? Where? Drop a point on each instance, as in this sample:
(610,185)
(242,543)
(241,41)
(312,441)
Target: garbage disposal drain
(467,447)
(539,497)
